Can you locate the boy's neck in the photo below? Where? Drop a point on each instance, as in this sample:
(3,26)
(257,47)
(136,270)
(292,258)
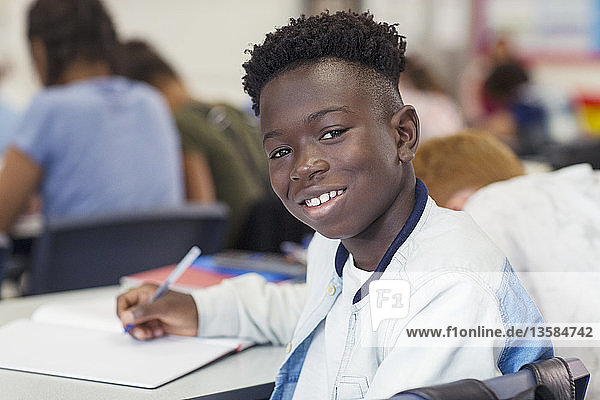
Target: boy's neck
(369,247)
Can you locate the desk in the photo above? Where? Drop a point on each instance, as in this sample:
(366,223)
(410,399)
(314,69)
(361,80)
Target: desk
(246,375)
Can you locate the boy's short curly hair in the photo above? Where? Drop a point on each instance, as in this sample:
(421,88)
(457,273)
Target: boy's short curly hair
(348,36)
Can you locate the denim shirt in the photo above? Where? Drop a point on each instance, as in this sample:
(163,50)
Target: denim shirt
(455,275)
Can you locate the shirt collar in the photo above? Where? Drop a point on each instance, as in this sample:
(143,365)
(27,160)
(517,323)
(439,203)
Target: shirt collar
(342,254)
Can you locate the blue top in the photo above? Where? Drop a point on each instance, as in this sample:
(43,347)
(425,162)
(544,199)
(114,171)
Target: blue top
(8,120)
(105,145)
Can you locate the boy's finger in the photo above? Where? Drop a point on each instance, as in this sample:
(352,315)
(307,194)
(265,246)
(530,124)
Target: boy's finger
(133,297)
(126,300)
(143,313)
(149,330)
(141,332)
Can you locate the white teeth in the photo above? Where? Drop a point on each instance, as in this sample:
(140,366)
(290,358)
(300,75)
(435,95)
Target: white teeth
(324,198)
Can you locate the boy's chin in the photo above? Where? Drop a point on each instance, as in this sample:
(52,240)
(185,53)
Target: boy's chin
(336,234)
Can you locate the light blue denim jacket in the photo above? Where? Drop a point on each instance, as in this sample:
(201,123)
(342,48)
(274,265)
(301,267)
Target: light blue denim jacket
(456,276)
(466,255)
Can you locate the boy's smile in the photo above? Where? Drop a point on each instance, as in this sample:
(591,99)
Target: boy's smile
(319,206)
(335,160)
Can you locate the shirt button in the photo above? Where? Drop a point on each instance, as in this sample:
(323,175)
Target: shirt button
(288,347)
(330,290)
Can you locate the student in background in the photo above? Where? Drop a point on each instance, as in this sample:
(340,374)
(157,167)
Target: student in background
(90,142)
(222,152)
(527,215)
(456,167)
(421,88)
(548,224)
(339,143)
(515,112)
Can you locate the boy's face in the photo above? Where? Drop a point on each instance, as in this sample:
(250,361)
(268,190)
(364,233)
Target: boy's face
(335,161)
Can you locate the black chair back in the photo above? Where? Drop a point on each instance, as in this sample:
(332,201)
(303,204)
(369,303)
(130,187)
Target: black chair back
(555,379)
(77,253)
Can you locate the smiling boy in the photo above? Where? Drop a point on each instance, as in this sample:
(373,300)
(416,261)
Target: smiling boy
(340,142)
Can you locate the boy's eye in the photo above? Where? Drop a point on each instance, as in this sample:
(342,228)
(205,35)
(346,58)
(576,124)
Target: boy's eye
(333,133)
(279,153)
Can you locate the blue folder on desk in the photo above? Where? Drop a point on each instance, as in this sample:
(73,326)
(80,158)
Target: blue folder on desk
(272,267)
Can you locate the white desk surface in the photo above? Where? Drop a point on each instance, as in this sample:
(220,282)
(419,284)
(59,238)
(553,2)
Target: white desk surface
(254,366)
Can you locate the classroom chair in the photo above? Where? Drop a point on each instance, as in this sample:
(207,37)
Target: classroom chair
(553,379)
(578,152)
(76,253)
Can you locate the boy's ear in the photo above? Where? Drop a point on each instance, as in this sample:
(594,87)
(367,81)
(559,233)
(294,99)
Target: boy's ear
(406,123)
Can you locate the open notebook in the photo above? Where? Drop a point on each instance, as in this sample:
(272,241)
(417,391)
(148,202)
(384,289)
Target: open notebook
(86,341)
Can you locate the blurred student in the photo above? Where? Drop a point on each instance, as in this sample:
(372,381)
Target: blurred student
(527,215)
(421,88)
(222,152)
(90,142)
(548,224)
(514,111)
(487,54)
(340,143)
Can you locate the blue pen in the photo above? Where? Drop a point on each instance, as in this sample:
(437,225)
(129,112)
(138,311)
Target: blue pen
(184,264)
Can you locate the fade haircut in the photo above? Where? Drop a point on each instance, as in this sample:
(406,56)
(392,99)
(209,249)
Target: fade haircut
(466,160)
(372,47)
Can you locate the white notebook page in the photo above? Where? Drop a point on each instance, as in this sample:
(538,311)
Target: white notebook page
(61,341)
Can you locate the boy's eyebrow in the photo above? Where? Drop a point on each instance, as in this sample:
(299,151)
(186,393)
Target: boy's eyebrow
(270,135)
(309,118)
(318,114)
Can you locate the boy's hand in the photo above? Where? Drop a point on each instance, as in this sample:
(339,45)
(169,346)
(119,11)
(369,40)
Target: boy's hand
(174,313)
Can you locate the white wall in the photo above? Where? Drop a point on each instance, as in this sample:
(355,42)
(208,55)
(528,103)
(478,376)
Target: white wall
(19,83)
(205,39)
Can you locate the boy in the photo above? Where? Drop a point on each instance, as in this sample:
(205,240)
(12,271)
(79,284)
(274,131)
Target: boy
(340,143)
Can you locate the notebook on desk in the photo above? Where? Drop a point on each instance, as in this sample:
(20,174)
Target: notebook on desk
(85,340)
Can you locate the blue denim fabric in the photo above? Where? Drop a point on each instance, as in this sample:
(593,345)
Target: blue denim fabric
(514,311)
(289,373)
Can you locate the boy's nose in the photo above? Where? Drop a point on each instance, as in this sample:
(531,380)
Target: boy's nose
(308,169)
